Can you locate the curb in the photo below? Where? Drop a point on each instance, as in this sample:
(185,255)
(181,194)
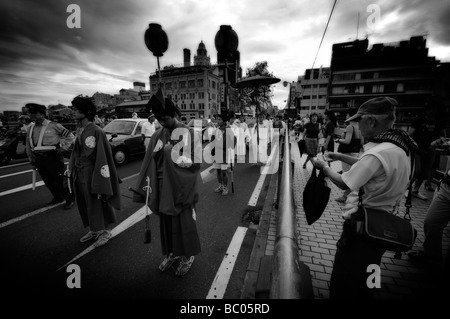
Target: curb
(260,244)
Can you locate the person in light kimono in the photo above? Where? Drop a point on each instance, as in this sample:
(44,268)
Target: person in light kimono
(93,174)
(173,168)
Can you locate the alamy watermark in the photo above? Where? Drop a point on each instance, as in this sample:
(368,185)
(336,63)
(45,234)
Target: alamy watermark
(374,279)
(74,19)
(228,146)
(74,279)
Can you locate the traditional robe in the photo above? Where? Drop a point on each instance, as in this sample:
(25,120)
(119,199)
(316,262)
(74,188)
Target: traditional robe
(174,191)
(95,180)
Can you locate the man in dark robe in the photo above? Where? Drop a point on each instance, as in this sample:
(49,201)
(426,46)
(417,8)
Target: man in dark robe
(93,173)
(173,169)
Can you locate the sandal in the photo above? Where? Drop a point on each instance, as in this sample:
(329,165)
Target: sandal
(184,266)
(103,238)
(88,236)
(167,262)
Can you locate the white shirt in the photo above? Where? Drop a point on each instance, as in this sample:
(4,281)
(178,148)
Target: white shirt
(383,171)
(148,129)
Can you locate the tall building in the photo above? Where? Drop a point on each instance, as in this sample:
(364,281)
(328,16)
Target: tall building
(195,89)
(202,57)
(313,88)
(402,70)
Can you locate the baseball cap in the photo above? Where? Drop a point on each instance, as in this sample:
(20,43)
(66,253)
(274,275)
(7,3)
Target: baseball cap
(376,106)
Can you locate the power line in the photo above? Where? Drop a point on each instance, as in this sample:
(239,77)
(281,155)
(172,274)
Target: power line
(323,36)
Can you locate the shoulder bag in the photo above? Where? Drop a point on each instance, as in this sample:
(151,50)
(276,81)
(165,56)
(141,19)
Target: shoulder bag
(385,229)
(353,147)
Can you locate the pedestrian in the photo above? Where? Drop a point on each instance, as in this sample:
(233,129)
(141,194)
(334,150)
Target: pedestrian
(311,137)
(328,131)
(46,143)
(174,179)
(224,143)
(148,129)
(347,145)
(134,115)
(425,130)
(436,219)
(260,140)
(382,173)
(93,174)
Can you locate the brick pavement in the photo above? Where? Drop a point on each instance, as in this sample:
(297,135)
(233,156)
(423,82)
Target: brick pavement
(400,279)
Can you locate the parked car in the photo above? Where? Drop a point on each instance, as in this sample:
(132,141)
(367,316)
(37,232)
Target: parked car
(124,136)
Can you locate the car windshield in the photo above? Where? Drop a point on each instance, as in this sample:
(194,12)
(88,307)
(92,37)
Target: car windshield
(120,127)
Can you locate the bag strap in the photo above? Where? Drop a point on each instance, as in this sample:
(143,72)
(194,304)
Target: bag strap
(408,202)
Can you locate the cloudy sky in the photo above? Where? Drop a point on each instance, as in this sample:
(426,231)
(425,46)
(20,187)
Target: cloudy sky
(44,61)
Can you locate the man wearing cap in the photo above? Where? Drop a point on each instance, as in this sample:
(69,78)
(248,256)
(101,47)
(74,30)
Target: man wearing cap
(382,172)
(45,144)
(148,128)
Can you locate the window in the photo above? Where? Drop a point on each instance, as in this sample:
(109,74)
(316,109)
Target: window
(400,87)
(200,83)
(213,84)
(183,106)
(192,106)
(169,86)
(201,106)
(183,96)
(378,88)
(191,83)
(182,84)
(201,95)
(192,96)
(359,89)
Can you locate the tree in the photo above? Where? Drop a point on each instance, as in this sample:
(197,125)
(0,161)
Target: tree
(260,96)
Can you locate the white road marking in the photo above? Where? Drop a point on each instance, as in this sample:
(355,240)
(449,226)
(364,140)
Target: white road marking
(18,219)
(12,165)
(21,188)
(18,173)
(271,168)
(41,210)
(127,223)
(255,195)
(223,275)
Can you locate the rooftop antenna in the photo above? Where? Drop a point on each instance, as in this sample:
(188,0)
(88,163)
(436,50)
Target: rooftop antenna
(357,27)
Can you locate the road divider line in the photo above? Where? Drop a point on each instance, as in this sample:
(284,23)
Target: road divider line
(40,210)
(220,282)
(21,188)
(127,223)
(18,219)
(272,167)
(18,173)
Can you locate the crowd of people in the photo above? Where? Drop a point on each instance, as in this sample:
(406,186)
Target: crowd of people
(375,171)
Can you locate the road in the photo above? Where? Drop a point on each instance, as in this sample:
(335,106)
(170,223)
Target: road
(38,244)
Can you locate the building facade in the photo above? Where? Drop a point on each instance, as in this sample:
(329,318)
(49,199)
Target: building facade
(312,91)
(195,89)
(402,70)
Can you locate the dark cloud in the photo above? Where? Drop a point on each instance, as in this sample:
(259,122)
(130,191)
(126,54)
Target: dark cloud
(39,52)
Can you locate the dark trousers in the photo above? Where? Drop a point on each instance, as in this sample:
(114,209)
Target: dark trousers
(349,275)
(50,166)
